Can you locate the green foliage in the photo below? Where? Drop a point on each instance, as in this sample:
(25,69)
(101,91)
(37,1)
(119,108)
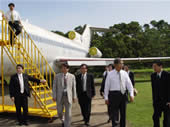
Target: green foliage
(134,40)
(147,70)
(60,33)
(80,29)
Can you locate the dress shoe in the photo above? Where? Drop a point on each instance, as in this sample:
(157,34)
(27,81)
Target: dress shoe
(109,120)
(25,123)
(19,124)
(87,124)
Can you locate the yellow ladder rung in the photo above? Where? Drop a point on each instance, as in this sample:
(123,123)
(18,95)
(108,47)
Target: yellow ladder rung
(34,74)
(39,86)
(51,105)
(15,50)
(23,63)
(19,56)
(46,92)
(30,68)
(47,99)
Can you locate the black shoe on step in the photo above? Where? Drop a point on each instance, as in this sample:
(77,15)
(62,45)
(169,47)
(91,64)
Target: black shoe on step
(25,123)
(87,124)
(19,124)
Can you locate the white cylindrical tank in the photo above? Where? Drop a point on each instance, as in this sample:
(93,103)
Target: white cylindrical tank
(74,36)
(95,52)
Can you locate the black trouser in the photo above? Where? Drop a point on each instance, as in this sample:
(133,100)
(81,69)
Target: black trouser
(117,103)
(158,110)
(21,101)
(85,105)
(15,27)
(108,111)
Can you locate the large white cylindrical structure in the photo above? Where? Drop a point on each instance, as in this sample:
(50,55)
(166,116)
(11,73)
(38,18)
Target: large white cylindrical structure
(95,52)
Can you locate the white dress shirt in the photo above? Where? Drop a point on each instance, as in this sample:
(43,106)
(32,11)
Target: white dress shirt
(113,83)
(21,82)
(104,73)
(16,16)
(159,74)
(84,77)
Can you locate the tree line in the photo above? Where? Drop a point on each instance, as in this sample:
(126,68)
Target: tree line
(127,40)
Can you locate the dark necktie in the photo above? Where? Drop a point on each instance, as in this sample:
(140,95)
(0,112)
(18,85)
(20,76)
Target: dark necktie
(65,82)
(82,81)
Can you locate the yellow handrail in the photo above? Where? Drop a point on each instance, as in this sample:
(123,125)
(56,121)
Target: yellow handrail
(33,46)
(24,51)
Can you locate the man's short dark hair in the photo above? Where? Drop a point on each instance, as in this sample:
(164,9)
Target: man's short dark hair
(84,65)
(110,65)
(126,65)
(20,65)
(117,61)
(11,4)
(65,65)
(158,62)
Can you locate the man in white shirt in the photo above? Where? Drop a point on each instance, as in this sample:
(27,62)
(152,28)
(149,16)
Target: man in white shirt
(14,21)
(115,92)
(110,67)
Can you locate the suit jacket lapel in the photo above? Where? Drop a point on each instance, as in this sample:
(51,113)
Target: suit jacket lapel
(62,80)
(17,79)
(81,85)
(87,81)
(23,78)
(162,74)
(67,78)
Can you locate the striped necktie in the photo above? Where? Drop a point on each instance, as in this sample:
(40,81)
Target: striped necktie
(12,17)
(65,82)
(122,90)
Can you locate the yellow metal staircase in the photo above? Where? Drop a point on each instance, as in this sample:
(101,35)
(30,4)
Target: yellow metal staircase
(25,52)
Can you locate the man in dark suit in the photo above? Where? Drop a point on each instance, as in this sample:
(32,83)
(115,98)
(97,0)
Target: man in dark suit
(109,68)
(160,81)
(131,74)
(19,92)
(85,92)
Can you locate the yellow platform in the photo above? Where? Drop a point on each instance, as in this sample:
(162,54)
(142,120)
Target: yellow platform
(31,111)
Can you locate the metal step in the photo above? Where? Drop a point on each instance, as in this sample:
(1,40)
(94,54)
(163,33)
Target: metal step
(51,105)
(47,99)
(23,63)
(30,68)
(39,86)
(32,74)
(46,92)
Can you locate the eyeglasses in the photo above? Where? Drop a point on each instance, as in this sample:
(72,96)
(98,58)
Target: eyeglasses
(83,68)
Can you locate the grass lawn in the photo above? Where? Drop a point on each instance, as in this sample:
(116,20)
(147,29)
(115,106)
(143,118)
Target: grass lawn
(139,113)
